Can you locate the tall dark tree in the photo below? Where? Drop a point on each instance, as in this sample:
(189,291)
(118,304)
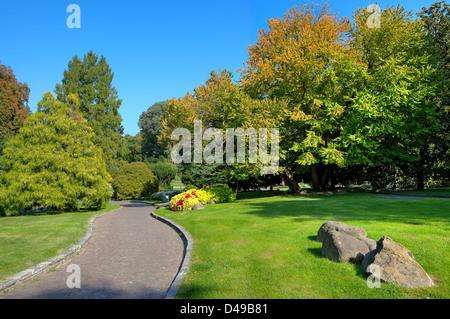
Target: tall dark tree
(91,79)
(13,104)
(149,123)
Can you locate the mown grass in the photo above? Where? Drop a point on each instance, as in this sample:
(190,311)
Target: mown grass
(266,247)
(30,239)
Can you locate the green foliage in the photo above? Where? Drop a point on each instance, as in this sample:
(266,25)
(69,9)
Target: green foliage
(165,172)
(53,162)
(202,174)
(134,148)
(435,157)
(221,194)
(91,80)
(149,123)
(188,187)
(135,180)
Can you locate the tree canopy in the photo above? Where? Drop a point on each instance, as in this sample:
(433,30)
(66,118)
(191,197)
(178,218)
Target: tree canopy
(53,161)
(13,104)
(149,124)
(91,79)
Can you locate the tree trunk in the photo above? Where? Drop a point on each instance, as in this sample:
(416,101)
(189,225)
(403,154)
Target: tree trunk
(319,176)
(315,177)
(324,178)
(421,170)
(289,179)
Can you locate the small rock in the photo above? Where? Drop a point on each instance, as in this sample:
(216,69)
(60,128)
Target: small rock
(211,202)
(198,206)
(395,263)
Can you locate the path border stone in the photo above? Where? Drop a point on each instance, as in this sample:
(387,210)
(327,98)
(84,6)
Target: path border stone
(188,242)
(52,263)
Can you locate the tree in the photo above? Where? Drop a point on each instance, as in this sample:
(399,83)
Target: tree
(221,105)
(165,171)
(135,180)
(149,123)
(437,24)
(134,148)
(53,161)
(390,121)
(436,156)
(91,80)
(13,105)
(304,58)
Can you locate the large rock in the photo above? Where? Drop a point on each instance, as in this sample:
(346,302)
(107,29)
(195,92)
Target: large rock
(392,262)
(327,227)
(341,247)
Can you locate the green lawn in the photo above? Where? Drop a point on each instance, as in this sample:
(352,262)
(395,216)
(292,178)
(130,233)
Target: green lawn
(266,248)
(28,240)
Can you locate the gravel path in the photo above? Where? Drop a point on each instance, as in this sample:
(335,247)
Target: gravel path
(129,255)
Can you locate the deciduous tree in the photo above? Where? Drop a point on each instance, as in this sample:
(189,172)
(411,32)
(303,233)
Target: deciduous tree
(13,104)
(304,58)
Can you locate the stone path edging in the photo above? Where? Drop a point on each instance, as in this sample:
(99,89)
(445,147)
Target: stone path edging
(188,246)
(52,263)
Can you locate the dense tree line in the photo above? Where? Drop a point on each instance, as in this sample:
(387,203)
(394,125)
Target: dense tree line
(353,102)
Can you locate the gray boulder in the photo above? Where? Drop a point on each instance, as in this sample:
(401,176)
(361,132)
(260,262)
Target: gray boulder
(198,206)
(392,262)
(211,202)
(327,227)
(340,247)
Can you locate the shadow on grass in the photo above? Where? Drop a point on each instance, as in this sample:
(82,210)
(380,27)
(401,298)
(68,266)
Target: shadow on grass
(363,207)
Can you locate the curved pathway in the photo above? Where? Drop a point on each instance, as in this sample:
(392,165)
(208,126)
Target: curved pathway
(129,255)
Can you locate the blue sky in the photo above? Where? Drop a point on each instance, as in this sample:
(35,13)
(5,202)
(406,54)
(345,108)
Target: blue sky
(156,49)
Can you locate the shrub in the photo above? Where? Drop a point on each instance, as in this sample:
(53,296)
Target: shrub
(165,172)
(188,187)
(221,195)
(135,180)
(187,200)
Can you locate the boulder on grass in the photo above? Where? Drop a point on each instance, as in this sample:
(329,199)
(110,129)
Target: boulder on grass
(340,247)
(394,263)
(341,228)
(198,206)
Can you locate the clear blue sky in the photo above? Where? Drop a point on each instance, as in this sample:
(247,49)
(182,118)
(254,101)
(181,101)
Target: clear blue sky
(156,49)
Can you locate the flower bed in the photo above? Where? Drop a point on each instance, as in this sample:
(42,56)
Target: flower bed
(187,200)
